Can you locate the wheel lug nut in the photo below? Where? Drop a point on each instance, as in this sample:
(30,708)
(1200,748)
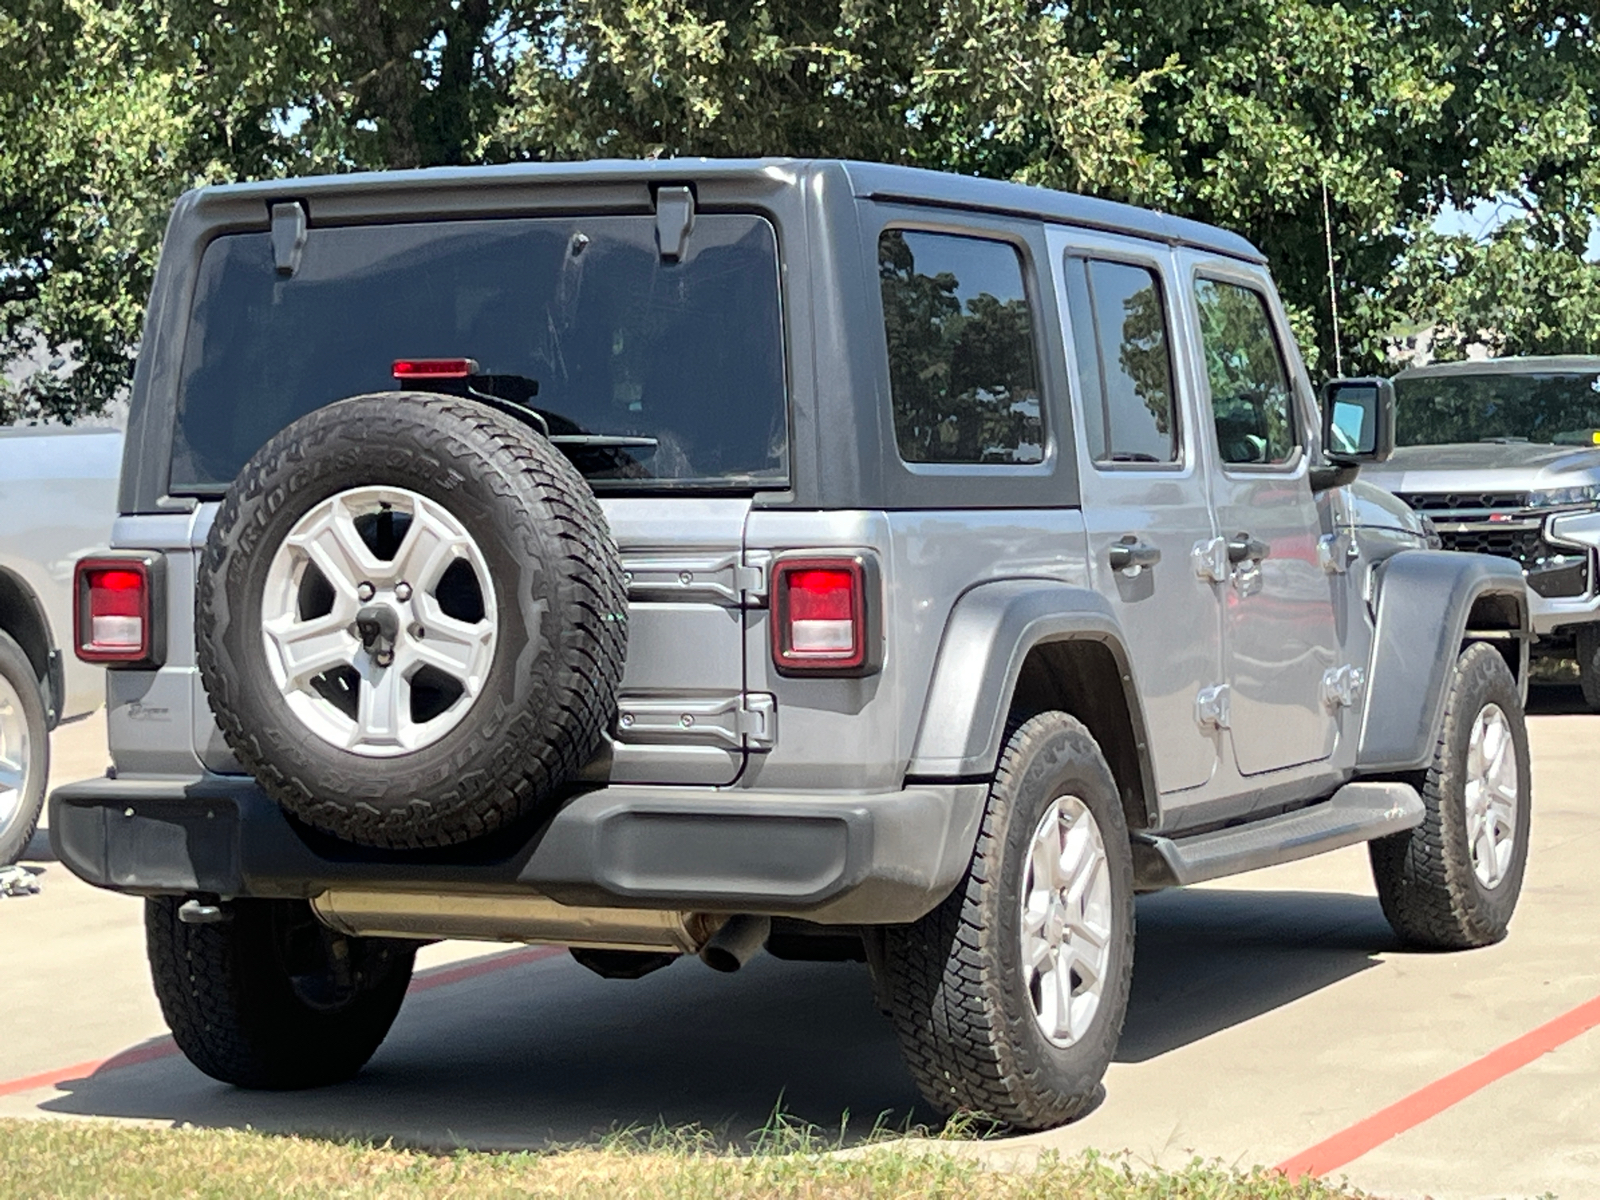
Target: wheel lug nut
(402,590)
(365,591)
(418,632)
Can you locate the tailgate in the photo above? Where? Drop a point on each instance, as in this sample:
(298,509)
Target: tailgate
(683,714)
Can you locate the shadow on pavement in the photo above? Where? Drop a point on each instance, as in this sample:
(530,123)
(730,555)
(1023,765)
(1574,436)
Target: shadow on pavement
(549,1054)
(546,1054)
(38,848)
(1208,959)
(1557,699)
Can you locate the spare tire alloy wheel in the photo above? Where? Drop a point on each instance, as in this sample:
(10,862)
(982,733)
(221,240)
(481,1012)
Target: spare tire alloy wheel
(410,620)
(378,619)
(24,752)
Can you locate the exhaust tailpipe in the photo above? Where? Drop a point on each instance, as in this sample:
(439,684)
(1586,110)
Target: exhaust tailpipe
(736,942)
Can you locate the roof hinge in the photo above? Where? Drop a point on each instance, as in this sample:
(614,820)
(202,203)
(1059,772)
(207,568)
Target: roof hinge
(288,236)
(674,220)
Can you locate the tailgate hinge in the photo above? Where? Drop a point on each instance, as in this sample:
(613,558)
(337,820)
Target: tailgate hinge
(758,721)
(750,577)
(745,722)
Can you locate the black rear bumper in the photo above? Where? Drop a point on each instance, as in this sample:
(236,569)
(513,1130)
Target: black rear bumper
(842,858)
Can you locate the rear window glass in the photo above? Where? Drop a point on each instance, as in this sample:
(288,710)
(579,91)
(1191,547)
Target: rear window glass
(963,371)
(681,362)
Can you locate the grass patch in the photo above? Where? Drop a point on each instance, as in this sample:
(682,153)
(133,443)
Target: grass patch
(60,1159)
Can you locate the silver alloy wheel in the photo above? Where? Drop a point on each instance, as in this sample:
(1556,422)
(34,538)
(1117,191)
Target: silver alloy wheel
(14,754)
(379,621)
(1491,796)
(1066,920)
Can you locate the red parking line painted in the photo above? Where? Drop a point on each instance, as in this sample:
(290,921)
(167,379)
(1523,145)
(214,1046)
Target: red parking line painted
(166,1047)
(1350,1144)
(128,1058)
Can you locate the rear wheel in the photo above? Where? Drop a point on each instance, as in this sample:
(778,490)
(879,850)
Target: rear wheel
(1452,882)
(269,997)
(1008,998)
(24,751)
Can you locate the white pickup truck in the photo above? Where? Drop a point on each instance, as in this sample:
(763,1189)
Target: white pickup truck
(57,499)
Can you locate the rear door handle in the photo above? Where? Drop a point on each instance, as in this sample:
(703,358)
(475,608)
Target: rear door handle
(1244,548)
(1132,555)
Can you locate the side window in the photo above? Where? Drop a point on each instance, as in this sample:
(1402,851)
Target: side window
(1251,400)
(962,366)
(1119,334)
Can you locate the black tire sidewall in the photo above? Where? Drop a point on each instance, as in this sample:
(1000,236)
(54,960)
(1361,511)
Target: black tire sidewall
(1586,650)
(233,1011)
(18,671)
(370,442)
(1061,759)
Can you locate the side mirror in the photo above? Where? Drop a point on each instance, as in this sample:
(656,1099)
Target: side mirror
(1358,420)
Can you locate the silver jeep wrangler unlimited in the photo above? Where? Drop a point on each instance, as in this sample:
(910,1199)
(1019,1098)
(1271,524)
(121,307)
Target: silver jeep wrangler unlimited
(677,558)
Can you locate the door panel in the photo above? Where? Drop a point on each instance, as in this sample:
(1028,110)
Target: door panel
(1280,633)
(1145,491)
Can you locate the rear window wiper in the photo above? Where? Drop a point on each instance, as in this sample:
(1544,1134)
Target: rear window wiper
(510,393)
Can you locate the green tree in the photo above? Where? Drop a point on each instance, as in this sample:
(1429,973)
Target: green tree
(1244,113)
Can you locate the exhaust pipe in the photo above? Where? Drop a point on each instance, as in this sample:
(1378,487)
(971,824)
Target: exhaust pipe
(521,918)
(736,942)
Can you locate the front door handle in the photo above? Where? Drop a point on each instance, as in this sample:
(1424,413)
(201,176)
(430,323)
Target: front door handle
(1244,548)
(1132,555)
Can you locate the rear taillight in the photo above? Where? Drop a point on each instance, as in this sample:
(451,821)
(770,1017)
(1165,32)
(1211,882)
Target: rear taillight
(824,616)
(114,618)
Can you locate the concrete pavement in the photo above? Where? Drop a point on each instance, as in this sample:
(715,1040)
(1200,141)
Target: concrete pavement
(1269,1012)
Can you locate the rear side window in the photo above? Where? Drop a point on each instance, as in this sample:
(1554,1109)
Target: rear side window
(680,363)
(1251,401)
(1119,335)
(963,370)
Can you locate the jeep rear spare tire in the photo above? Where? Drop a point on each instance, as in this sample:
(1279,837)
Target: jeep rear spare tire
(410,620)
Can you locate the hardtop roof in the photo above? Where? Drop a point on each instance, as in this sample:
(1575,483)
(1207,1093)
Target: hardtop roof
(877,181)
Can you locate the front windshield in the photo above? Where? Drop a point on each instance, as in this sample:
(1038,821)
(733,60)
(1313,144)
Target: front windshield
(1559,407)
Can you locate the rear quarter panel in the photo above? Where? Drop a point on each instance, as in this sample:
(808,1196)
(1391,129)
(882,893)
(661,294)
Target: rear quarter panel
(859,733)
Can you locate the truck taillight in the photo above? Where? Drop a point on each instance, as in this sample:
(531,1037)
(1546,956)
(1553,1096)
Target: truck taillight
(824,616)
(114,617)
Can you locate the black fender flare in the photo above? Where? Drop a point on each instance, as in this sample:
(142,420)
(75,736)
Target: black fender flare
(1424,599)
(989,634)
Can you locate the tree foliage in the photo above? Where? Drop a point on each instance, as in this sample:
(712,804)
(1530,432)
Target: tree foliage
(1245,113)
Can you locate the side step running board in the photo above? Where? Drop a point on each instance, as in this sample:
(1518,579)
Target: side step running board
(1357,812)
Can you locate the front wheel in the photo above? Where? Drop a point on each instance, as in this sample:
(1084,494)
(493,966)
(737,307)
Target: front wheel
(1008,998)
(269,997)
(1587,651)
(1452,882)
